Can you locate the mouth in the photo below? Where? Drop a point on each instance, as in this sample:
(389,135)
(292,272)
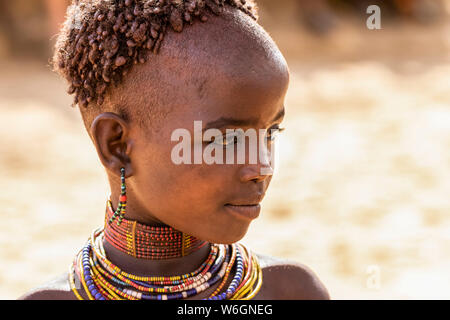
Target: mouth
(246,211)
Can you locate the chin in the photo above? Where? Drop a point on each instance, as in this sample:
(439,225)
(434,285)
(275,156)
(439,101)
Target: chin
(229,235)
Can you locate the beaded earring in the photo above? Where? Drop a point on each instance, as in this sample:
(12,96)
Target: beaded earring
(121,207)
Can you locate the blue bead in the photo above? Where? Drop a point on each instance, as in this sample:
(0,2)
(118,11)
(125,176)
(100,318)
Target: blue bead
(98,296)
(192,291)
(92,287)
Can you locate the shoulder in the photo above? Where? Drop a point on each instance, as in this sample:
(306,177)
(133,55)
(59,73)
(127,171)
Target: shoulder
(289,280)
(56,289)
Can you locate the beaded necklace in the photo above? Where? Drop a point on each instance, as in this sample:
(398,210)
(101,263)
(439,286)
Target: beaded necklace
(102,280)
(145,242)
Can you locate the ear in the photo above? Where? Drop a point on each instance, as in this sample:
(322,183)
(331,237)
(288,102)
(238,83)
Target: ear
(110,134)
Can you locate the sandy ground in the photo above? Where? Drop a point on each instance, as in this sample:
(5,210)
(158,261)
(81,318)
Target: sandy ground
(361,192)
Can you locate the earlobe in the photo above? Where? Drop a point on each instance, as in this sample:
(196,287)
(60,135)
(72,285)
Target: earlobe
(110,135)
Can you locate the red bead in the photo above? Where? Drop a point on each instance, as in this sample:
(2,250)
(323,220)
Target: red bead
(151,242)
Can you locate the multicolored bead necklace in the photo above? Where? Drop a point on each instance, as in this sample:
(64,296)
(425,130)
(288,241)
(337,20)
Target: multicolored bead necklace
(147,242)
(102,280)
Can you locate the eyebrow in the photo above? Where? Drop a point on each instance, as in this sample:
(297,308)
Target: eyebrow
(223,121)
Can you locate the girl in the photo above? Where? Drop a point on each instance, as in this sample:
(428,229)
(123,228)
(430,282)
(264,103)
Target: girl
(172,228)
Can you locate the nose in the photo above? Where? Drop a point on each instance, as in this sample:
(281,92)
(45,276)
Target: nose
(256,173)
(261,170)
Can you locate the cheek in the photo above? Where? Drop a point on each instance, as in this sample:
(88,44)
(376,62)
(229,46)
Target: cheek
(167,188)
(201,186)
(178,186)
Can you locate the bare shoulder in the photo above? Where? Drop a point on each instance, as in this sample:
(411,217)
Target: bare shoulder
(289,280)
(56,289)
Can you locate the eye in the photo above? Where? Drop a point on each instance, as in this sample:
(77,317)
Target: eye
(274,132)
(227,140)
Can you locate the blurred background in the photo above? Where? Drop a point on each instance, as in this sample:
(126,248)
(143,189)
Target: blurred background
(361,191)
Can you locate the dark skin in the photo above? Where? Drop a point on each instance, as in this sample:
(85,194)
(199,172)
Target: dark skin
(213,70)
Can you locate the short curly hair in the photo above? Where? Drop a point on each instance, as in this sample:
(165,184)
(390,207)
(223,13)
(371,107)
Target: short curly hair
(102,39)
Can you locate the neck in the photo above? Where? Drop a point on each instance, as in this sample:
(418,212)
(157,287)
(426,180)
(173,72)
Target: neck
(149,250)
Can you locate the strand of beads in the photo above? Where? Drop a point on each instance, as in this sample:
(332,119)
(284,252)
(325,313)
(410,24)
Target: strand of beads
(121,208)
(245,290)
(100,255)
(191,285)
(102,280)
(131,288)
(147,242)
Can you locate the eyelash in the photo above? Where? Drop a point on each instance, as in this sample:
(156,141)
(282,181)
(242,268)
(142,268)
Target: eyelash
(270,137)
(277,130)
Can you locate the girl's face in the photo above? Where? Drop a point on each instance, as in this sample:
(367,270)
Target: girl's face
(244,89)
(214,202)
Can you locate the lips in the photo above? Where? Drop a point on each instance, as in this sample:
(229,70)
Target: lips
(252,200)
(248,212)
(246,206)
(236,203)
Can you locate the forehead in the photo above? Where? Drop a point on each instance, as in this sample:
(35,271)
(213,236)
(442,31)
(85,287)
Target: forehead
(228,66)
(254,97)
